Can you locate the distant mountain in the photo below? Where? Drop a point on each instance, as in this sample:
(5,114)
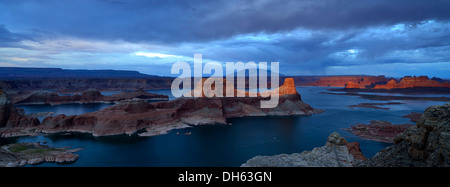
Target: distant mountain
(10,73)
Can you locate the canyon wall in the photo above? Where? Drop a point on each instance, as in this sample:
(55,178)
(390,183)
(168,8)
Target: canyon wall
(412,82)
(341,81)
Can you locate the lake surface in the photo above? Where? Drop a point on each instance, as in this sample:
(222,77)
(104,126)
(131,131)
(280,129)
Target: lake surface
(228,145)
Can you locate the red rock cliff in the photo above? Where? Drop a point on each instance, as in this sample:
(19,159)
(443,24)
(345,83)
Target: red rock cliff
(341,81)
(412,82)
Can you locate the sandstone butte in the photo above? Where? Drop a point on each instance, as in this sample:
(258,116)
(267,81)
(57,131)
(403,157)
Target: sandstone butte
(405,82)
(149,119)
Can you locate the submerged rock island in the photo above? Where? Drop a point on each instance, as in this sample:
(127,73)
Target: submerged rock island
(149,119)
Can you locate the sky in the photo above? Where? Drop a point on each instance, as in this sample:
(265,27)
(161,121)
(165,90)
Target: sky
(307,37)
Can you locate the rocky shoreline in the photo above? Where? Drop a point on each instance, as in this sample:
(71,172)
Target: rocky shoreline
(21,154)
(380,131)
(426,144)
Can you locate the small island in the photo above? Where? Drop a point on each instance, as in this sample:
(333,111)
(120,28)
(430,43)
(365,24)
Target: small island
(21,154)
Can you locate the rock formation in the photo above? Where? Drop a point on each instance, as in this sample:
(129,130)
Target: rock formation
(341,81)
(13,118)
(412,82)
(89,96)
(337,152)
(351,84)
(426,144)
(20,154)
(148,119)
(381,131)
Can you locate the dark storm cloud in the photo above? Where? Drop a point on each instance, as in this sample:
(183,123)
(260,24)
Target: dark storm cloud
(192,21)
(304,36)
(9,39)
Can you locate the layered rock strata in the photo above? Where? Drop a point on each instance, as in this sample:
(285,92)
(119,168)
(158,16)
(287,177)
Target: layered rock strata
(148,119)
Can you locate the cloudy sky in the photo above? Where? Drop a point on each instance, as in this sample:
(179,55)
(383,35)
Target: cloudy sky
(309,37)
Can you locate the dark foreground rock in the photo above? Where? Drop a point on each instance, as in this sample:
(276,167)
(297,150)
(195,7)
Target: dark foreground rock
(337,152)
(20,154)
(426,144)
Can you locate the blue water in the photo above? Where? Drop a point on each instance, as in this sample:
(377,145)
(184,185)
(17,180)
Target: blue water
(229,145)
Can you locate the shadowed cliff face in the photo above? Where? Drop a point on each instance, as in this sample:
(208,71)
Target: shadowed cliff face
(10,117)
(131,116)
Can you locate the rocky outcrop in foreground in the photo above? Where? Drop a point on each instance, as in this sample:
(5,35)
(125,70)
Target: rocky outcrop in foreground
(20,154)
(337,152)
(426,144)
(149,119)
